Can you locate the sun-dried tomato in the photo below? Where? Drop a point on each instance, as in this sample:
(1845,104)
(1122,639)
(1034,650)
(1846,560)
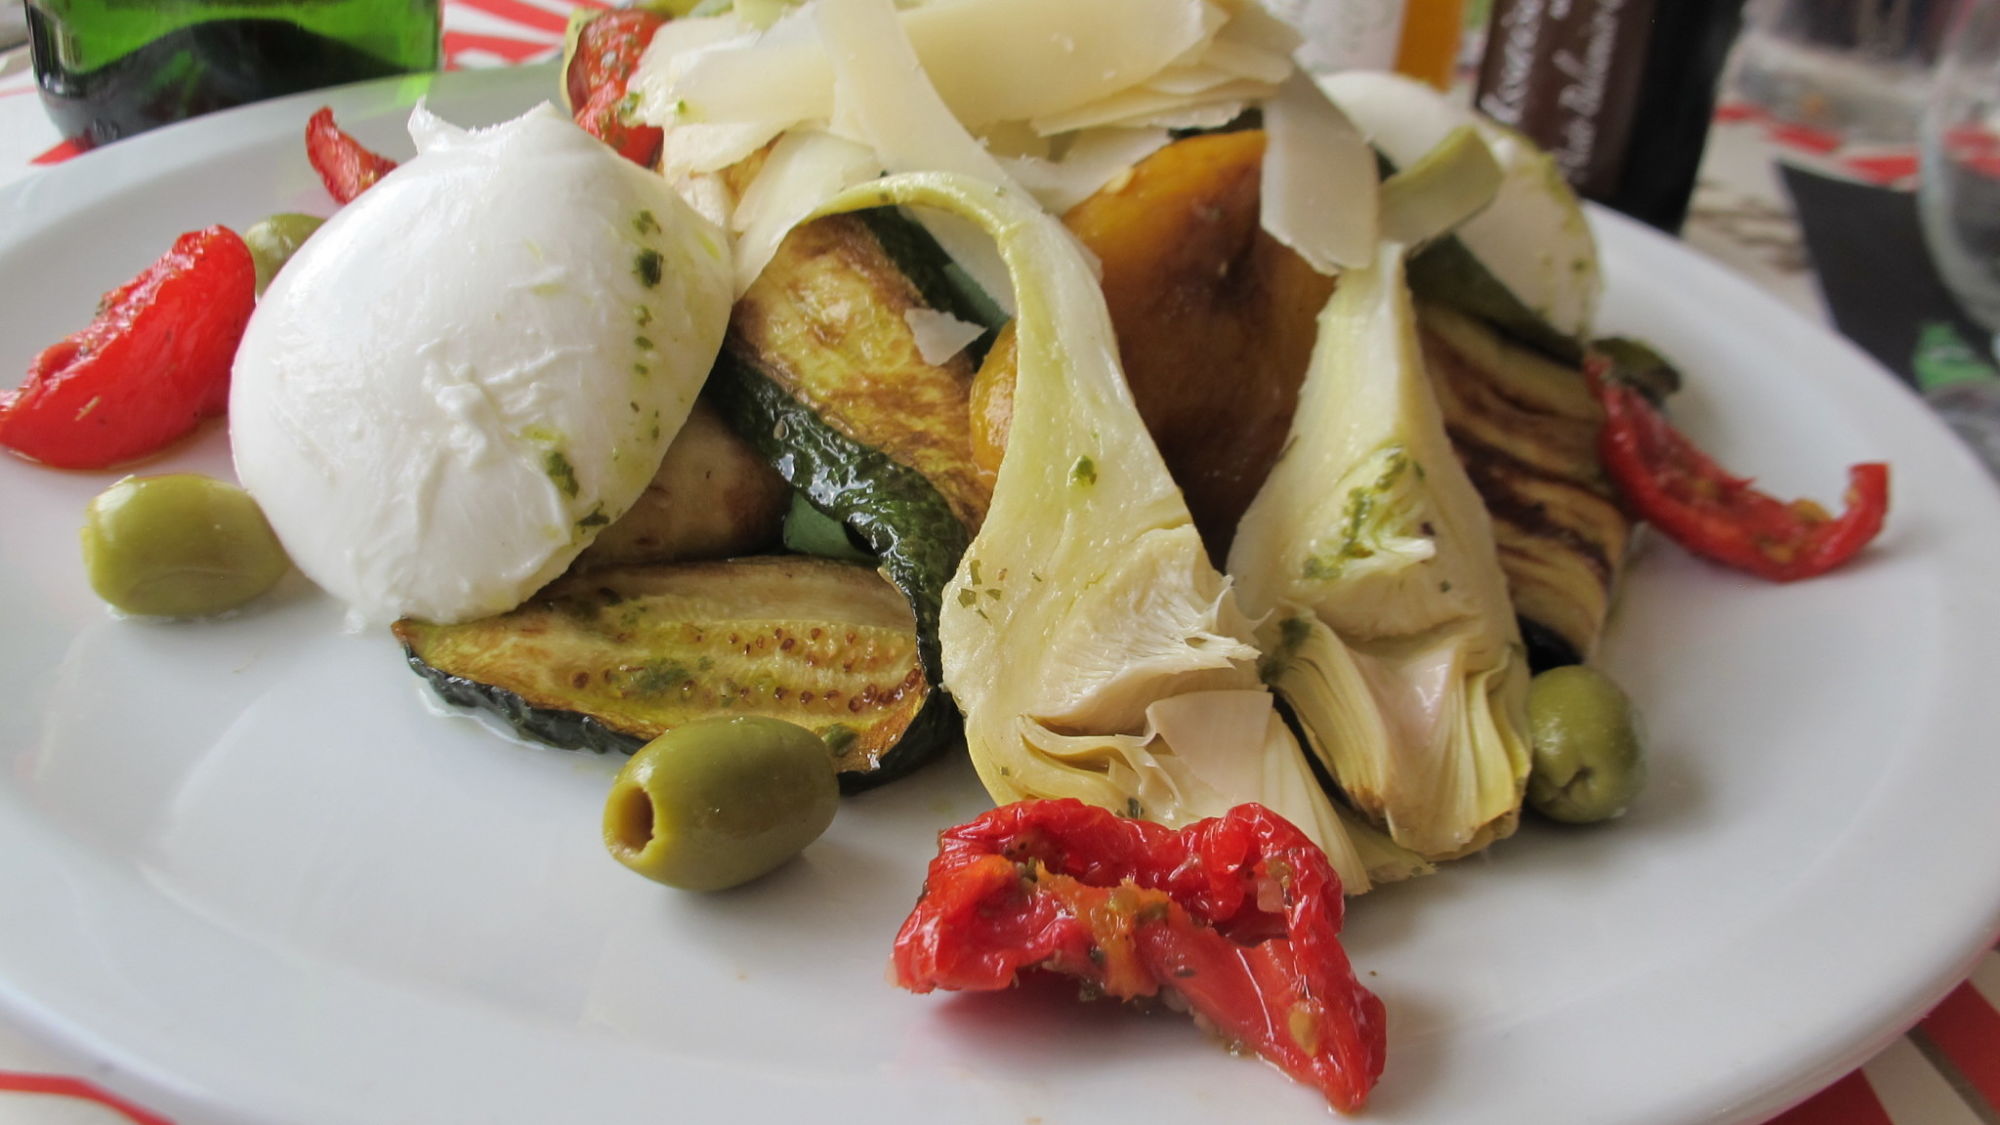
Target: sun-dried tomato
(1239,914)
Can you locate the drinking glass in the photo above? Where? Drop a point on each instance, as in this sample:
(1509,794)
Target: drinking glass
(1856,68)
(1958,194)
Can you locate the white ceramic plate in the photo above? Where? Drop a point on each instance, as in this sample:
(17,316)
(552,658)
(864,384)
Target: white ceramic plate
(245,868)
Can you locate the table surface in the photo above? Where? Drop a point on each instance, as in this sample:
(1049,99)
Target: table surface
(1946,1071)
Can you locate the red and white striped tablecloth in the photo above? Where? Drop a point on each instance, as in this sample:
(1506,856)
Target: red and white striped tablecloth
(1946,1071)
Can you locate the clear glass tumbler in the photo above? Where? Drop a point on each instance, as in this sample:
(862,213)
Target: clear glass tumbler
(1958,194)
(1958,203)
(1856,68)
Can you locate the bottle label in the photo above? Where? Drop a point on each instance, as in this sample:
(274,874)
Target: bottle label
(1566,73)
(1345,34)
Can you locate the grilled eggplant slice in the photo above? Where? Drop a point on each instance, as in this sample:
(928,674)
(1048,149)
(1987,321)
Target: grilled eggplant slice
(714,497)
(1525,428)
(611,659)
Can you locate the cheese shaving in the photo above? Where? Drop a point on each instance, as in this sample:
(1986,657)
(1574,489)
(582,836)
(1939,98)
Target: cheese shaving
(1092,159)
(978,51)
(974,50)
(1252,25)
(939,335)
(675,47)
(1052,96)
(804,170)
(1319,194)
(1247,60)
(884,98)
(693,149)
(1143,106)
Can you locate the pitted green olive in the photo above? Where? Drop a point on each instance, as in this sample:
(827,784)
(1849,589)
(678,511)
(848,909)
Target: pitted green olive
(1588,761)
(274,239)
(180,545)
(719,802)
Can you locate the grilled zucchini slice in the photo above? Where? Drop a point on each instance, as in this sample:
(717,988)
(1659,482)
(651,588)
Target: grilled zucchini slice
(611,659)
(822,373)
(827,322)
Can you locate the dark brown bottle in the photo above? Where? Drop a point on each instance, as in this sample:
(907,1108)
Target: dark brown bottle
(111,68)
(1620,91)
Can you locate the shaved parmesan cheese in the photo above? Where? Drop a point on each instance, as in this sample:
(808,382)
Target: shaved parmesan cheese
(1244,60)
(1188,81)
(1320,186)
(761,14)
(1131,64)
(782,75)
(804,170)
(673,48)
(1013,139)
(976,52)
(1006,60)
(1093,158)
(883,98)
(692,149)
(1253,25)
(939,335)
(1143,106)
(1053,96)
(709,195)
(1214,115)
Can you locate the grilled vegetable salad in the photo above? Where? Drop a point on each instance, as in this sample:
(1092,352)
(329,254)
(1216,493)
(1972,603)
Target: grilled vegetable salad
(1216,455)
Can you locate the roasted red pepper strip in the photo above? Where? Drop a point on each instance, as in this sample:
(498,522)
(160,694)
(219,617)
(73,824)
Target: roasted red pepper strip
(1239,914)
(344,166)
(1674,486)
(607,51)
(152,365)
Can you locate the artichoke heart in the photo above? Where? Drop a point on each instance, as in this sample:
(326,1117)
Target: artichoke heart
(1386,615)
(1095,651)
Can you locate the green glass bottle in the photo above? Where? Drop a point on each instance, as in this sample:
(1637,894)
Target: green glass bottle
(111,68)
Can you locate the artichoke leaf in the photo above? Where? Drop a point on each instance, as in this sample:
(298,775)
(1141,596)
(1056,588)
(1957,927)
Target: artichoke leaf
(1527,262)
(1442,191)
(1094,649)
(1387,618)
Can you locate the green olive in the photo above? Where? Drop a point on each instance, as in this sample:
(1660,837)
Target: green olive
(1588,760)
(180,545)
(718,802)
(274,239)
